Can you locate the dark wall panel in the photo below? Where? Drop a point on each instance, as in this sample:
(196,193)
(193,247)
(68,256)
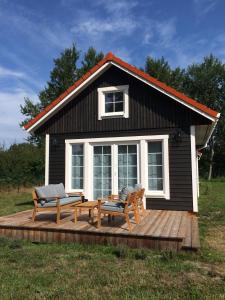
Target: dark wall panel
(148,109)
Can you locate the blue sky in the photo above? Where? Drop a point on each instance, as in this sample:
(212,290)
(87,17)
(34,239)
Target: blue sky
(32,33)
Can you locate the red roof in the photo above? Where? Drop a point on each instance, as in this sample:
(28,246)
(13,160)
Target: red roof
(110,57)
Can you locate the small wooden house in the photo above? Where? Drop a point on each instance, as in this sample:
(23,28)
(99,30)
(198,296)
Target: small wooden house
(117,126)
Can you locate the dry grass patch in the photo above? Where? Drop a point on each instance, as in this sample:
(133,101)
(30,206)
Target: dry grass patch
(215,238)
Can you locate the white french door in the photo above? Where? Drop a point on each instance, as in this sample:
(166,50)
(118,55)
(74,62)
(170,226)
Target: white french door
(114,166)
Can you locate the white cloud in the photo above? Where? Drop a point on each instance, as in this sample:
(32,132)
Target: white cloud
(95,28)
(10,115)
(160,32)
(5,72)
(203,7)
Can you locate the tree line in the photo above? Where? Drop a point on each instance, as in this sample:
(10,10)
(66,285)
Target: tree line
(23,164)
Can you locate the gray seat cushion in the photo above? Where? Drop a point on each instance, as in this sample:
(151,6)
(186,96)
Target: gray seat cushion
(63,201)
(113,206)
(50,191)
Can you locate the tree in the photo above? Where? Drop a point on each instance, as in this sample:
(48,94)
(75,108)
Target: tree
(205,82)
(91,58)
(160,69)
(63,75)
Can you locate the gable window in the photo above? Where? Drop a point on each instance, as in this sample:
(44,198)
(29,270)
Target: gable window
(113,102)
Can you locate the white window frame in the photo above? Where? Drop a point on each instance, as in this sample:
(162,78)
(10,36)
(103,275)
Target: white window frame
(165,193)
(101,102)
(143,162)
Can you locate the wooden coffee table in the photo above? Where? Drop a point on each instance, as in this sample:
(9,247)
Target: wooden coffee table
(90,206)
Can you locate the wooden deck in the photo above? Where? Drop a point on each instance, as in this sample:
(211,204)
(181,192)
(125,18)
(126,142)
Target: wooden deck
(158,229)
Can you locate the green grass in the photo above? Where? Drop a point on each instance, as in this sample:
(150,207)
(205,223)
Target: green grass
(73,271)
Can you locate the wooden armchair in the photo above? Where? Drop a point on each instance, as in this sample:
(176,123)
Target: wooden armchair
(140,204)
(119,209)
(54,203)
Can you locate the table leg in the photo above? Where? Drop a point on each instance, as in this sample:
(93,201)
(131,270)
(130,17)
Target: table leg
(75,215)
(92,215)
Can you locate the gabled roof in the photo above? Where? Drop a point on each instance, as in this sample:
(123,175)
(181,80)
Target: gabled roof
(110,58)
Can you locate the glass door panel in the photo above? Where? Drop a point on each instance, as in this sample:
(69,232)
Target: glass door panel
(102,173)
(127,166)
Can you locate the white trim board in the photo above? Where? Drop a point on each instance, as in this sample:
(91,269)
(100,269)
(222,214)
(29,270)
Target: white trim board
(194,170)
(68,98)
(166,93)
(47,138)
(92,77)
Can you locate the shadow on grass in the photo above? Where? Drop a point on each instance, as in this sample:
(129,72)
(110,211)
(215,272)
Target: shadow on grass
(25,203)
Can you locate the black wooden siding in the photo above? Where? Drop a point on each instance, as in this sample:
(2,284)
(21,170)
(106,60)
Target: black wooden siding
(148,109)
(150,112)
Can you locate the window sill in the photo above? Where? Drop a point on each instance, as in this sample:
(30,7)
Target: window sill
(156,195)
(109,116)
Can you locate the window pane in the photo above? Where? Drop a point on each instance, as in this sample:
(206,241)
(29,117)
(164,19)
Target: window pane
(107,150)
(122,159)
(155,184)
(98,159)
(77,149)
(98,172)
(127,165)
(155,158)
(77,171)
(108,97)
(132,172)
(98,150)
(77,183)
(102,171)
(132,159)
(154,147)
(122,172)
(155,171)
(155,168)
(77,160)
(122,149)
(109,107)
(132,149)
(131,182)
(118,106)
(118,96)
(106,172)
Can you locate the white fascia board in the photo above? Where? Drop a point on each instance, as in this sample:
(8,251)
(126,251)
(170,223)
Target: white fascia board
(88,80)
(69,97)
(167,94)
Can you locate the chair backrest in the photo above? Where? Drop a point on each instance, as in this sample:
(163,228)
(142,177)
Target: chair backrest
(140,194)
(51,191)
(132,198)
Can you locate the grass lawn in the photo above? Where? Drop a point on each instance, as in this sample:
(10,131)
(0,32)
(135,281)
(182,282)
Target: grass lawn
(73,271)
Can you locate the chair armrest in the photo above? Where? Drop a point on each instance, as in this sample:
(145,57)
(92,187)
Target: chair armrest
(75,194)
(113,197)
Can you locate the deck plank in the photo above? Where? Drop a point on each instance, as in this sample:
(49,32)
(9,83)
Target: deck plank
(158,229)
